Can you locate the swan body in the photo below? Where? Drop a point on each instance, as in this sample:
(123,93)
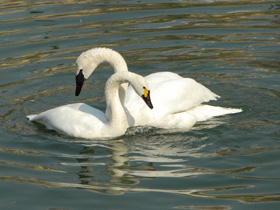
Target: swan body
(177,100)
(164,93)
(83,121)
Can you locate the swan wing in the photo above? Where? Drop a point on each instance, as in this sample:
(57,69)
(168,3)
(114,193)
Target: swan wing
(89,110)
(179,95)
(77,120)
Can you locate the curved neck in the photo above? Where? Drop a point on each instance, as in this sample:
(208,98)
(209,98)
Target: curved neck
(115,59)
(115,111)
(108,55)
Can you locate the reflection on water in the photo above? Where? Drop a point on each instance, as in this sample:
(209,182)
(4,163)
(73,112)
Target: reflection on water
(232,47)
(124,165)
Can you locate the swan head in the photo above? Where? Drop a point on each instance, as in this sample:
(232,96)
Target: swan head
(86,62)
(85,65)
(141,87)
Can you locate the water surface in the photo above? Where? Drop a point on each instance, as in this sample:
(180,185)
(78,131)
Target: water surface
(229,162)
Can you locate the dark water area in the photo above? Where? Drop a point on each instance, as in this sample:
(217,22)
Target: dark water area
(228,162)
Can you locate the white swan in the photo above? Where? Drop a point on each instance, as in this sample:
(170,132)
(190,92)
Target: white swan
(83,121)
(177,100)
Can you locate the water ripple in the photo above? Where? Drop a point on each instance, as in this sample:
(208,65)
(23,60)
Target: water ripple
(230,46)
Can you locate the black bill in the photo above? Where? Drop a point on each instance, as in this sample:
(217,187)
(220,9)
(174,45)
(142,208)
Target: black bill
(80,80)
(146,97)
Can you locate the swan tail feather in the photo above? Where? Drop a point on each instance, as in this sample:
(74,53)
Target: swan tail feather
(205,112)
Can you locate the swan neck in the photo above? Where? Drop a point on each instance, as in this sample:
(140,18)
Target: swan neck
(117,62)
(115,111)
(112,57)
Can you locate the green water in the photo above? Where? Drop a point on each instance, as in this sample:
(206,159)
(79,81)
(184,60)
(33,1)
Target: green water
(229,162)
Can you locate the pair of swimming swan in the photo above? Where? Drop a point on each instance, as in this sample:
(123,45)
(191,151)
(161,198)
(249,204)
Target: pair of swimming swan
(173,103)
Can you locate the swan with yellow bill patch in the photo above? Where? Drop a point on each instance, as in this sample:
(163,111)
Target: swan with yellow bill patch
(177,101)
